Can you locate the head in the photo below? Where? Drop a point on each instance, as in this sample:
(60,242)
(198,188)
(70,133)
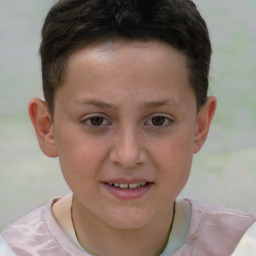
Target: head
(126,106)
(74,24)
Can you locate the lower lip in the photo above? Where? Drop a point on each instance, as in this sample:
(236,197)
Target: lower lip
(126,193)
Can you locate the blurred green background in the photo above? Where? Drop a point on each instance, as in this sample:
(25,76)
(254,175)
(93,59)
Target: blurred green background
(224,172)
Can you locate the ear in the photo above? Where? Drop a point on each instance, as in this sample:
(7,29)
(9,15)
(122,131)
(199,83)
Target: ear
(43,125)
(204,120)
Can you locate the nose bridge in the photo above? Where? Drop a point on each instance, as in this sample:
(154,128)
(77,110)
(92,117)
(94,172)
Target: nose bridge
(128,150)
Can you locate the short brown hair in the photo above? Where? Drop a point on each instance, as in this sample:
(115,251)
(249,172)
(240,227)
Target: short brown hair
(71,24)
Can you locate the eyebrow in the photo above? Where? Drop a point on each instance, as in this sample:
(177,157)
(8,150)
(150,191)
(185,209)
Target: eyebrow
(160,103)
(97,103)
(149,104)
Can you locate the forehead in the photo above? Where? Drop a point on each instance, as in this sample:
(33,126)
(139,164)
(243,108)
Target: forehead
(130,71)
(126,54)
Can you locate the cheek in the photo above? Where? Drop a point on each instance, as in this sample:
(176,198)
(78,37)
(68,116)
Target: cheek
(80,166)
(173,159)
(80,157)
(175,150)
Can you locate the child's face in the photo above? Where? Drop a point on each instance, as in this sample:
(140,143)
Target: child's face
(126,115)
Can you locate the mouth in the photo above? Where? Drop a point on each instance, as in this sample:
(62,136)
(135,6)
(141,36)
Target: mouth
(127,190)
(128,186)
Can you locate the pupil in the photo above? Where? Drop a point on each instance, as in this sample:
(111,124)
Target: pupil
(158,121)
(96,121)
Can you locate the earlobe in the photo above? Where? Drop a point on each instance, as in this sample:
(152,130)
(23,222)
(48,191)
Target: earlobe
(43,125)
(204,120)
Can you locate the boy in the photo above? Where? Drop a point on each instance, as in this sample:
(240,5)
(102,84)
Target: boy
(126,107)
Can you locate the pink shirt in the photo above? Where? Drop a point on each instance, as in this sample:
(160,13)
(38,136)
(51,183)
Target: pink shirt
(213,231)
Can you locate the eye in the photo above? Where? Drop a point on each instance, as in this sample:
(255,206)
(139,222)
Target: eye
(96,121)
(159,121)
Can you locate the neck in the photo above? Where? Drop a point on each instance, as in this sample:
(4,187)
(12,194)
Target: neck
(100,239)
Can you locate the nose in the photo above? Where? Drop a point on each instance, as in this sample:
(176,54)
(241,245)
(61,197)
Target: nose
(128,150)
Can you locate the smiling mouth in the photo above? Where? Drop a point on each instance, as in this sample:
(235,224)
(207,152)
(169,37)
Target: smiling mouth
(128,186)
(125,190)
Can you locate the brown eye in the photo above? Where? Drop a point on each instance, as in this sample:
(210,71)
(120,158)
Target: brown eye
(96,121)
(159,120)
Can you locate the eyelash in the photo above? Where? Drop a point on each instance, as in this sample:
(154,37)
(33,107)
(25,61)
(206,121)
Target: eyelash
(88,121)
(166,123)
(104,122)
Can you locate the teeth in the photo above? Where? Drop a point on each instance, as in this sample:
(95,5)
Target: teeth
(132,186)
(124,185)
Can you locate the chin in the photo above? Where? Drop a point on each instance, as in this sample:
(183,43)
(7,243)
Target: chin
(129,220)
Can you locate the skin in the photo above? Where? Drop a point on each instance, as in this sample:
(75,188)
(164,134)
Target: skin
(147,129)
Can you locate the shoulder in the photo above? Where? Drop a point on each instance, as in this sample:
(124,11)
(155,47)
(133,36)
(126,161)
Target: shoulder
(217,213)
(216,228)
(5,250)
(31,222)
(30,231)
(247,245)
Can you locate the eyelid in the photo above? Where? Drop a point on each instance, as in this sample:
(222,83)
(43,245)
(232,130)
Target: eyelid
(87,118)
(168,117)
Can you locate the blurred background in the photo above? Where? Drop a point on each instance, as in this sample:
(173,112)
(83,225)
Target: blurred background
(224,172)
